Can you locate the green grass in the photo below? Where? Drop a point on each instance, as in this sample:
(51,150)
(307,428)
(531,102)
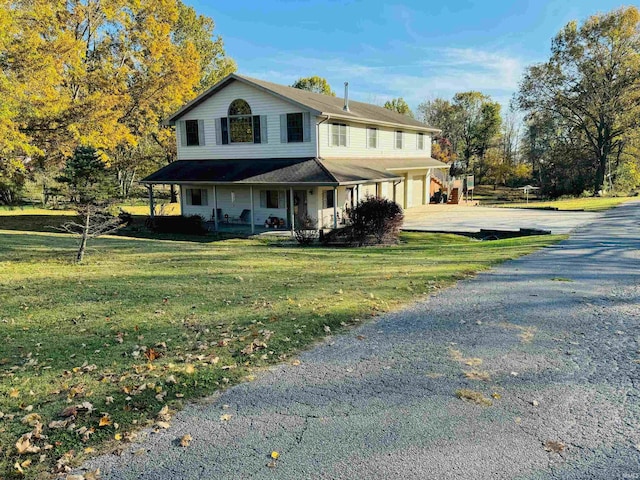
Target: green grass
(587,204)
(32,218)
(78,333)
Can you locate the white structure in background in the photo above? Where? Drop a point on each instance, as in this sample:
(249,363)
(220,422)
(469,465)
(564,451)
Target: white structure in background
(260,153)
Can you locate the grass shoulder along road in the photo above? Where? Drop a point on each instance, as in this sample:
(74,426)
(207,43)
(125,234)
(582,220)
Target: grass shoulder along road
(587,204)
(92,352)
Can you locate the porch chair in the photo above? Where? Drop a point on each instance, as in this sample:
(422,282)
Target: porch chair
(245,216)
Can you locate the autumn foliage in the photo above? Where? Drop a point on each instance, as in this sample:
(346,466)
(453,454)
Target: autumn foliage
(99,73)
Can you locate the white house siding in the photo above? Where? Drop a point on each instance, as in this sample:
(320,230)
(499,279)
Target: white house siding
(357,143)
(261,103)
(232,205)
(205,211)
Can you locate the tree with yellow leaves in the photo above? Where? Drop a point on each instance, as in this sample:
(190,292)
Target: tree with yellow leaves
(98,72)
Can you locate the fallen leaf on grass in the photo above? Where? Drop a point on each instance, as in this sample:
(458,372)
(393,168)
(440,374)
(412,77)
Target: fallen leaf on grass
(104,421)
(190,369)
(23,445)
(186,440)
(31,419)
(151,354)
(58,424)
(164,414)
(14,393)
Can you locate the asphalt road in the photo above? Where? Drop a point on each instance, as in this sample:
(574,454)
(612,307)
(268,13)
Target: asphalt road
(461,218)
(555,334)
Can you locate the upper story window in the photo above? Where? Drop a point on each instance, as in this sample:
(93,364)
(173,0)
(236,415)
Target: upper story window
(240,122)
(338,134)
(191,131)
(399,140)
(295,129)
(420,141)
(372,137)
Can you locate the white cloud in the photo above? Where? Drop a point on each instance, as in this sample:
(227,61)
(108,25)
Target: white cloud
(430,73)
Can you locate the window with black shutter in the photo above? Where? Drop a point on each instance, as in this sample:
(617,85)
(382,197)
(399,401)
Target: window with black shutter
(295,129)
(191,129)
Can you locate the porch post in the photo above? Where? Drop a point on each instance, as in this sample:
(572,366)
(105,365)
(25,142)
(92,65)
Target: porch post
(406,190)
(427,188)
(152,207)
(253,223)
(335,207)
(215,207)
(291,210)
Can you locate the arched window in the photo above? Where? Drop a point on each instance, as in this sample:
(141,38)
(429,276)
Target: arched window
(240,122)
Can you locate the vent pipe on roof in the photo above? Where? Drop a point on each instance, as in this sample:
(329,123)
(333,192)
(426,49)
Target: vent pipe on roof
(346,96)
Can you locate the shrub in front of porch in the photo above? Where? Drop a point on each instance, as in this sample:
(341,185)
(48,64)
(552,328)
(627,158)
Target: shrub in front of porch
(373,221)
(189,225)
(306,230)
(376,220)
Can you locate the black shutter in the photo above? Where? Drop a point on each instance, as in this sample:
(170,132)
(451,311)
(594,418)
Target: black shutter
(256,129)
(224,123)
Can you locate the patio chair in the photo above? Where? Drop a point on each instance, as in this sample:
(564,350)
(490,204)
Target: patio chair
(245,216)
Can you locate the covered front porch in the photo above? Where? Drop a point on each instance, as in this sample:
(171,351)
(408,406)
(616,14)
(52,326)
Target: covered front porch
(281,194)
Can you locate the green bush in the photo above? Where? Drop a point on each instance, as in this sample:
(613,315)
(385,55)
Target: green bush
(190,225)
(376,219)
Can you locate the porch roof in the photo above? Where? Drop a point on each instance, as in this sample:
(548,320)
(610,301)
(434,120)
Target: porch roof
(294,171)
(261,171)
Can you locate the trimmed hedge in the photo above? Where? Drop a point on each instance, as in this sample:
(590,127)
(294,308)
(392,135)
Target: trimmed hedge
(190,225)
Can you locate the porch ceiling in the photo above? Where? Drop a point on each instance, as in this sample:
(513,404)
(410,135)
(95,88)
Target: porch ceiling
(388,164)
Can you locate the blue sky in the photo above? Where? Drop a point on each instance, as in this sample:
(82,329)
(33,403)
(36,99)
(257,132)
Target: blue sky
(413,49)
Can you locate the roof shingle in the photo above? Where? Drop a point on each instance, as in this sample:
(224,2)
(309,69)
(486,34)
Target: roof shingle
(318,103)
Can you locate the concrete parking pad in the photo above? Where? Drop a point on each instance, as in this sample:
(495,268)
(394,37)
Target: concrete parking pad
(459,218)
(548,344)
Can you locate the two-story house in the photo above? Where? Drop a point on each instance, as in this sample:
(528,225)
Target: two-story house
(257,152)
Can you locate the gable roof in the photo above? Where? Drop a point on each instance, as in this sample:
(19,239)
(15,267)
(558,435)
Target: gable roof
(317,103)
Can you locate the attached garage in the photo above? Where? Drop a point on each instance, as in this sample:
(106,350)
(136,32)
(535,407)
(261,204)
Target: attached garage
(418,190)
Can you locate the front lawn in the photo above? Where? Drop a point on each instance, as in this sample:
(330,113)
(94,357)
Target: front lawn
(147,323)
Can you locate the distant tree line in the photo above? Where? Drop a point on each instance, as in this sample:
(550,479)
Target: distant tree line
(580,132)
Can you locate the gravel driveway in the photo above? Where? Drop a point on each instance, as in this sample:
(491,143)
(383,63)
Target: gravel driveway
(460,218)
(552,340)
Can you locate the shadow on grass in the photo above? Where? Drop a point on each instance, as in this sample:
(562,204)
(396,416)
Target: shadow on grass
(51,224)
